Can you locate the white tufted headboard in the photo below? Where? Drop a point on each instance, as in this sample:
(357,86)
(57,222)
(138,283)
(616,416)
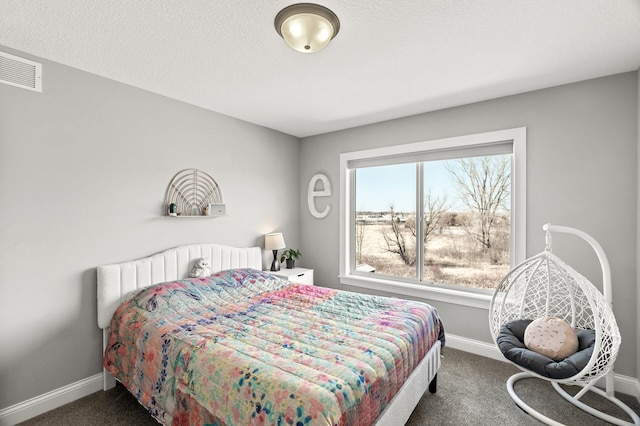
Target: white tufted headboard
(116,282)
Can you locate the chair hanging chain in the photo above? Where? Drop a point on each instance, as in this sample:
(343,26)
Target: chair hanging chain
(547,241)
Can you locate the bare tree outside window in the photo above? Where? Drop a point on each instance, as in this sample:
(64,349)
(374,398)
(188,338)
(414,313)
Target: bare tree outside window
(397,241)
(472,247)
(360,234)
(435,209)
(483,185)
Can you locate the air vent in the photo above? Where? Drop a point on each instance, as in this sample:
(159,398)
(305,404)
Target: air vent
(20,72)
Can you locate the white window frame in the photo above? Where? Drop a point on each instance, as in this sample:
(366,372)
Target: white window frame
(402,286)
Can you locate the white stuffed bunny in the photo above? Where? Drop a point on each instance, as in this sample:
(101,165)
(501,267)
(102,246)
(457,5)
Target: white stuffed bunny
(201,268)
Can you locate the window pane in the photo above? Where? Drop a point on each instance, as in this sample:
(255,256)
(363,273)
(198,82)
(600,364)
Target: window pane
(467,221)
(385,201)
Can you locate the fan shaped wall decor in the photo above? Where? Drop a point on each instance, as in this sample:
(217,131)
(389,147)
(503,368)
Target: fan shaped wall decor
(191,193)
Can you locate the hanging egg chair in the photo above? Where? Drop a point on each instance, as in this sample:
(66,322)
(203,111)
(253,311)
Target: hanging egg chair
(545,295)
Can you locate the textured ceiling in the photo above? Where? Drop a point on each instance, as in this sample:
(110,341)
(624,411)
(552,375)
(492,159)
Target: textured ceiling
(391,58)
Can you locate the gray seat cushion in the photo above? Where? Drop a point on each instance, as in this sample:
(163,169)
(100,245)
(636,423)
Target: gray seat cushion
(511,343)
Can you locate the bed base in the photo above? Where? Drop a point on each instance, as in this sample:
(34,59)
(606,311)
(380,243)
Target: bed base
(108,381)
(423,377)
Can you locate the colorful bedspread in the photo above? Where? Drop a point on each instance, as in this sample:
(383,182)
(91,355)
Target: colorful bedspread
(243,347)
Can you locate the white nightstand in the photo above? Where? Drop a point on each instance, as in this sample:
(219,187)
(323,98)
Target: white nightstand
(296,275)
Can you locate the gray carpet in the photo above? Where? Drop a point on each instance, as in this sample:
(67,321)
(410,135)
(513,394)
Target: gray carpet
(471,391)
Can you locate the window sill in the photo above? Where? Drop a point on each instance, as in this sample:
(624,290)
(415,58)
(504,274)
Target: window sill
(457,297)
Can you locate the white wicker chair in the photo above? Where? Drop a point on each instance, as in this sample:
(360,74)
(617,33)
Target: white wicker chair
(544,286)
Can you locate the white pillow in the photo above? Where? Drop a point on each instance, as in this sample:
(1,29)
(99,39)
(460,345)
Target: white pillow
(551,337)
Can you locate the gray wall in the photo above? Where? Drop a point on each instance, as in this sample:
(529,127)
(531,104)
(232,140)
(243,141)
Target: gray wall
(83,171)
(582,165)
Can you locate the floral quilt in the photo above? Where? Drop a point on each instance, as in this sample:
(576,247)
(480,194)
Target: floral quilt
(244,347)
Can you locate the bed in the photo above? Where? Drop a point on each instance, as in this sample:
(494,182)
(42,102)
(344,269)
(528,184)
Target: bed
(245,347)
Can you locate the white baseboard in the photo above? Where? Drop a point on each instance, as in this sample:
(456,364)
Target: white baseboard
(476,347)
(56,398)
(41,404)
(624,384)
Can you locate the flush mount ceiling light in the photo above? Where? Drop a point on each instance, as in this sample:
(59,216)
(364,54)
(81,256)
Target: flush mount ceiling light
(307,27)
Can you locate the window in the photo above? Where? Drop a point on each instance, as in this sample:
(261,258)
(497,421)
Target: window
(469,192)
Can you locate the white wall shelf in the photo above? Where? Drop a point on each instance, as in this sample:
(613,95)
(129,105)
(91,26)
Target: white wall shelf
(193,193)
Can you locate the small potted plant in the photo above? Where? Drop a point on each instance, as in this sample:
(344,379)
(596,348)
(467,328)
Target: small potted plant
(290,255)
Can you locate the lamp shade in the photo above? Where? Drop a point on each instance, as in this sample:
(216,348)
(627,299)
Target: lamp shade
(274,241)
(307,27)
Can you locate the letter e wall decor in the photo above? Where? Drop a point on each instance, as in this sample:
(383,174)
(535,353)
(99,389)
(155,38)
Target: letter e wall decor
(313,193)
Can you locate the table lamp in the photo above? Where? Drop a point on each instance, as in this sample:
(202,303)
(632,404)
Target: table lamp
(275,242)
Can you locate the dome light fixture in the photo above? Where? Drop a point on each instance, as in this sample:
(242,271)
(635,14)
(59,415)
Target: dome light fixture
(307,27)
